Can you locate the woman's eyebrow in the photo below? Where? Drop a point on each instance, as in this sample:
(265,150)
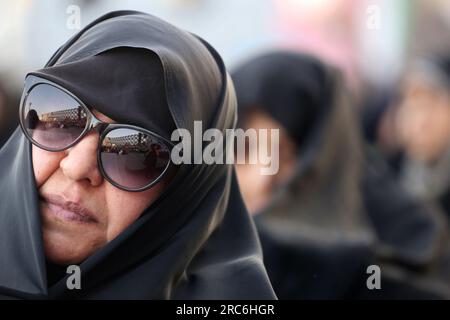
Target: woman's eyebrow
(101,116)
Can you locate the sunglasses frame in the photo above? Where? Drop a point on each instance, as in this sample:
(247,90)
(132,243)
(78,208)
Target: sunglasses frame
(102,128)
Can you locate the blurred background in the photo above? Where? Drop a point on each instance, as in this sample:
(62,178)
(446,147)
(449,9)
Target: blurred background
(372,41)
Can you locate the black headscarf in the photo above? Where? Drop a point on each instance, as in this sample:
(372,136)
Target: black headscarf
(197,240)
(279,84)
(340,212)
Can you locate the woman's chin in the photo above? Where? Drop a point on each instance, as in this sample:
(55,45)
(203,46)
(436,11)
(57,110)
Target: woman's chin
(68,248)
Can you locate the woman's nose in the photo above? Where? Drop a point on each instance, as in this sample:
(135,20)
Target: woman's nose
(81,161)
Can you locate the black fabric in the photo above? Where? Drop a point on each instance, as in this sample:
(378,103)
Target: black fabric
(279,84)
(55,272)
(196,240)
(342,211)
(443,63)
(373,108)
(126,84)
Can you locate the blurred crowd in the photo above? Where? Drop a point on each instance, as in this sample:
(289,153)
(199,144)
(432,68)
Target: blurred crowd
(360,91)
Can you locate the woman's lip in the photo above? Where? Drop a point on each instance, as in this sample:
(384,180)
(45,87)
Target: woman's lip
(69,210)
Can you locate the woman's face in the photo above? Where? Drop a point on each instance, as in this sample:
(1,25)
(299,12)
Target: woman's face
(423,121)
(257,189)
(81,212)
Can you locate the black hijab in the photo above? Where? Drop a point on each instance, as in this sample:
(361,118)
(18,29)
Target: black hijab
(279,85)
(340,212)
(197,240)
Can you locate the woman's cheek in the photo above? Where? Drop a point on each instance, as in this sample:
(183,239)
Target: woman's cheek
(133,203)
(45,163)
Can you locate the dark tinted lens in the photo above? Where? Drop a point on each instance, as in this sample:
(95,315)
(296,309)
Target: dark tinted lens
(52,117)
(133,159)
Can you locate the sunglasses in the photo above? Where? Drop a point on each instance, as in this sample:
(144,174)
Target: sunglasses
(129,157)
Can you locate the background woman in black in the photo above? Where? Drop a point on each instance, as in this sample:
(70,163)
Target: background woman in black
(411,129)
(333,209)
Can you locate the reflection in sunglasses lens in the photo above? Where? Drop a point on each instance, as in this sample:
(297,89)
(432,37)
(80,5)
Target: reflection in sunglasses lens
(52,117)
(133,159)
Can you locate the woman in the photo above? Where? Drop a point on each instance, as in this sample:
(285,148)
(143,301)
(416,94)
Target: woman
(85,192)
(331,212)
(413,131)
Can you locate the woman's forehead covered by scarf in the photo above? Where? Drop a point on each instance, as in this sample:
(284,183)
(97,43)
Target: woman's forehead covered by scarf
(126,84)
(192,72)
